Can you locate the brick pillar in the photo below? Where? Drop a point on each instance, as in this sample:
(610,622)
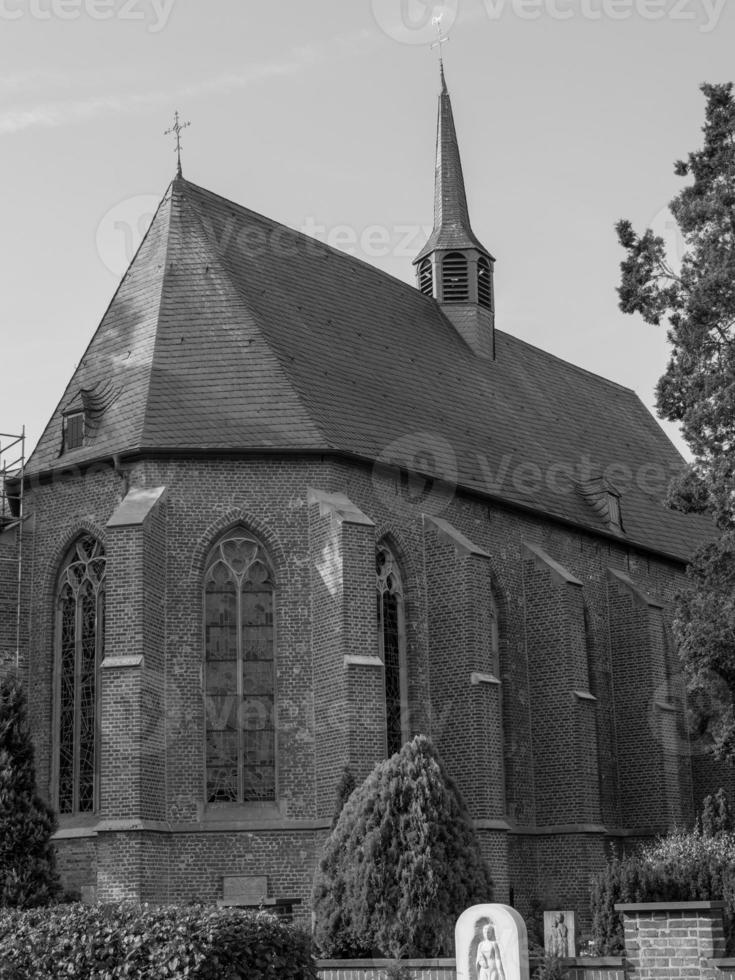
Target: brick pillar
(674,939)
(349,684)
(653,764)
(566,768)
(133,750)
(466,693)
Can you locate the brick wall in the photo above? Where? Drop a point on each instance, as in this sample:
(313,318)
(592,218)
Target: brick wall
(330,711)
(681,939)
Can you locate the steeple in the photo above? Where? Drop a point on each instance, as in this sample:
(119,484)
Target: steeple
(453,266)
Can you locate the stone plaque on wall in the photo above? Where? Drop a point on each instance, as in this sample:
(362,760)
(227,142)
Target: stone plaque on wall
(244,889)
(559,933)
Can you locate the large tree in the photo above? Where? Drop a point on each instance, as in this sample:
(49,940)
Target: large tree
(27,861)
(401,864)
(698,391)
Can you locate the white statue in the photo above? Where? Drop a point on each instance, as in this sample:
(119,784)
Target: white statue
(491,944)
(488,960)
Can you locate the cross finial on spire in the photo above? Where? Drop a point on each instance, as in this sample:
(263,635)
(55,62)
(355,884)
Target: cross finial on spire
(441,40)
(176,130)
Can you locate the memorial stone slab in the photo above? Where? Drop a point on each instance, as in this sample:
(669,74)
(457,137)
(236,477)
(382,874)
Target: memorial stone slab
(560,933)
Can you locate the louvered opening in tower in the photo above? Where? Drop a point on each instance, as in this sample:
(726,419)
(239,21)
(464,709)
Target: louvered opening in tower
(484,283)
(455,278)
(426,278)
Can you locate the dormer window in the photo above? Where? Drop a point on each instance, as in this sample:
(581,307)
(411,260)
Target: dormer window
(604,498)
(426,278)
(455,278)
(73,430)
(613,506)
(484,283)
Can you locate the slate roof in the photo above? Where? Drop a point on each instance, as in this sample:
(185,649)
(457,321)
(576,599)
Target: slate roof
(232,332)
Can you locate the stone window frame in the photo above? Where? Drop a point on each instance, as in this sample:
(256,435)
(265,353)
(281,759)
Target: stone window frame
(239,531)
(68,577)
(392,569)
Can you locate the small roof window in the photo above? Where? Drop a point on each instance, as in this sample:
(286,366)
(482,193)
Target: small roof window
(74,427)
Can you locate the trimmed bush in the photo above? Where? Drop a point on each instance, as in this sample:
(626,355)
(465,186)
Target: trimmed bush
(401,864)
(27,861)
(681,867)
(137,943)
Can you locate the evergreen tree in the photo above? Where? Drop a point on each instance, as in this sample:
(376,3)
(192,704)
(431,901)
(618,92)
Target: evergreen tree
(716,817)
(698,391)
(402,863)
(27,861)
(345,786)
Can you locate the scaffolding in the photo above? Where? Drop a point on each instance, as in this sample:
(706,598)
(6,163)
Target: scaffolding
(12,519)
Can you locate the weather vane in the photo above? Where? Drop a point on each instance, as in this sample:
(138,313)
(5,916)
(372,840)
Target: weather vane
(176,130)
(441,38)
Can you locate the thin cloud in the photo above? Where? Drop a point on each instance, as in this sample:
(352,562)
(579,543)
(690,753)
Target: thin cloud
(65,112)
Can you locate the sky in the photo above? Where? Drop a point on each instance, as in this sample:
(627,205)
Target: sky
(322,115)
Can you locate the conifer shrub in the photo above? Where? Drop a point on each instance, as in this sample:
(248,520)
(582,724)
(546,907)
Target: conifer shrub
(137,943)
(28,875)
(401,864)
(698,865)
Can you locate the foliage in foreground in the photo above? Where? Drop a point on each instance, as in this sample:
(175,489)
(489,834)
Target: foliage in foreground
(698,391)
(698,865)
(137,943)
(401,863)
(27,861)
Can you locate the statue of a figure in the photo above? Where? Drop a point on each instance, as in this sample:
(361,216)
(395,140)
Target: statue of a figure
(559,937)
(488,962)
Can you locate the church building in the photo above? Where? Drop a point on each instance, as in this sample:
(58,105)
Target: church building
(290,512)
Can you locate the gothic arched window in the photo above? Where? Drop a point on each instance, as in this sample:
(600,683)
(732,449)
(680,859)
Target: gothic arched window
(239,683)
(455,278)
(392,648)
(80,630)
(426,278)
(484,283)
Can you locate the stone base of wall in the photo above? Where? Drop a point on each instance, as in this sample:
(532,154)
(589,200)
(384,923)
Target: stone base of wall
(375,969)
(603,968)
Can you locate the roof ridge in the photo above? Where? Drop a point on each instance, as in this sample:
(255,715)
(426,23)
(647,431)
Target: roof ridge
(309,238)
(216,259)
(396,281)
(562,360)
(100,323)
(168,193)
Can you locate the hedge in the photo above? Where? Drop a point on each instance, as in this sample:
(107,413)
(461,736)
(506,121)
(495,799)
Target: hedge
(681,867)
(112,942)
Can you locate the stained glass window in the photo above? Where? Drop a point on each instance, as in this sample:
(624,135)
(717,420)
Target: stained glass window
(80,641)
(239,686)
(392,647)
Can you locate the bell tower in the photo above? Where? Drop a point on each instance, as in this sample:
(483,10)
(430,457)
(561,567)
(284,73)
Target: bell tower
(453,266)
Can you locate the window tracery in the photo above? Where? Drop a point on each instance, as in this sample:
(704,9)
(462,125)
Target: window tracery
(239,682)
(80,632)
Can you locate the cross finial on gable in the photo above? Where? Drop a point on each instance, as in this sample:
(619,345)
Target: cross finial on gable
(176,130)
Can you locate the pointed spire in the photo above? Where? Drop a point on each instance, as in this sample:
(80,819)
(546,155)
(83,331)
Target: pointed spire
(452,228)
